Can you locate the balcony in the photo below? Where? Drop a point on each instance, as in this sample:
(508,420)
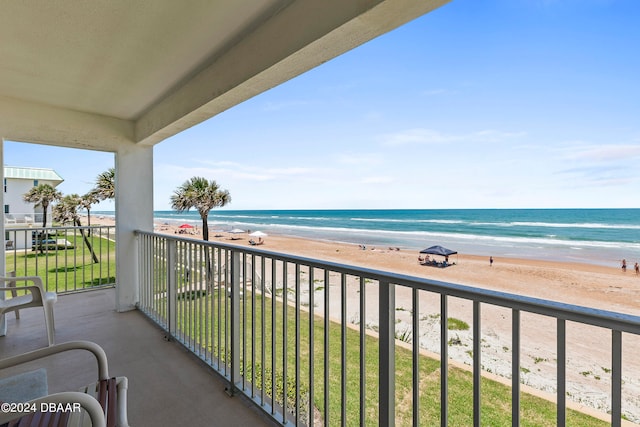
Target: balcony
(22,219)
(167,385)
(215,320)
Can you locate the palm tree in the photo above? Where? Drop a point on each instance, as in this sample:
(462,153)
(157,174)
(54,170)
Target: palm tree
(201,194)
(105,187)
(86,201)
(42,195)
(66,211)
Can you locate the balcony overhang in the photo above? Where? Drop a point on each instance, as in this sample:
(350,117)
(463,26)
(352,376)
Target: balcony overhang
(103,75)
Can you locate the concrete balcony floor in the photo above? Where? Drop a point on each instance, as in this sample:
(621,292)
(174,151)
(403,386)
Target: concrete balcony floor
(167,385)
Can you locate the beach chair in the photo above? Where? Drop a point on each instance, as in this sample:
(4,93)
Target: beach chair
(31,296)
(104,402)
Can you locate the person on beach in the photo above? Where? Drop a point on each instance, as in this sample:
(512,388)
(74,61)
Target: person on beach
(624,265)
(637,268)
(490,261)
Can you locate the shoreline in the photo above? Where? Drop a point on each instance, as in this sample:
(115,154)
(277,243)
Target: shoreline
(561,281)
(595,239)
(170,226)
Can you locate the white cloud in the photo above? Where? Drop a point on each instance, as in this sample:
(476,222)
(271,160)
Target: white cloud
(605,153)
(223,170)
(284,105)
(355,159)
(377,180)
(290,171)
(492,135)
(220,164)
(600,165)
(220,174)
(424,136)
(417,136)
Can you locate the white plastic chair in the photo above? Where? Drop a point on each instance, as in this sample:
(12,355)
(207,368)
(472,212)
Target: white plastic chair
(34,296)
(105,400)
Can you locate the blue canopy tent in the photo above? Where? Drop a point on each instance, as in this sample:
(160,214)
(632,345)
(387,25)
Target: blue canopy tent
(438,250)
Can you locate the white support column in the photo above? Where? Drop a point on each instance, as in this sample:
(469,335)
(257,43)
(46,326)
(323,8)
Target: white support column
(3,325)
(134,211)
(3,257)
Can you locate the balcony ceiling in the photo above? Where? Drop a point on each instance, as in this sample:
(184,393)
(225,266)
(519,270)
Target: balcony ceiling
(102,74)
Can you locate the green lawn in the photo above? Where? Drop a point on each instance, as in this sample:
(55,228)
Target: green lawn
(195,320)
(64,270)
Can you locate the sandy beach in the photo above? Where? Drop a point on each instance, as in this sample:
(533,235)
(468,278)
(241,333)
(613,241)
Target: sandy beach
(588,349)
(595,286)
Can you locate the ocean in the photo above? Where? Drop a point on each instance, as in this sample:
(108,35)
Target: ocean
(595,236)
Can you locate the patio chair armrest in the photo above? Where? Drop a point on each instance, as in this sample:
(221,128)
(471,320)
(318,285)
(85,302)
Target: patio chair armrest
(112,396)
(98,352)
(31,288)
(36,287)
(37,280)
(38,295)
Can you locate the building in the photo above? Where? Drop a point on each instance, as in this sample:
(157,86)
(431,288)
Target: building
(18,181)
(18,213)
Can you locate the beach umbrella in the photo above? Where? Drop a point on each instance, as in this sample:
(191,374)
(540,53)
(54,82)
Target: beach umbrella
(258,234)
(183,226)
(236,231)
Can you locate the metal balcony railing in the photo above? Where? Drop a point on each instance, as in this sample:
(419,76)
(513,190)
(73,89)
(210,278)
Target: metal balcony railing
(295,334)
(67,259)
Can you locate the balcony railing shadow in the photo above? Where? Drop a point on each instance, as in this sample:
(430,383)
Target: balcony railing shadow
(167,385)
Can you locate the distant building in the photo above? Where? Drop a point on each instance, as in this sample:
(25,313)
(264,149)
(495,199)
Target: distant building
(18,181)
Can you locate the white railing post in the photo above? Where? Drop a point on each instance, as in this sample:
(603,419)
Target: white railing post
(171,286)
(561,340)
(143,271)
(444,360)
(515,368)
(477,364)
(387,391)
(235,322)
(616,378)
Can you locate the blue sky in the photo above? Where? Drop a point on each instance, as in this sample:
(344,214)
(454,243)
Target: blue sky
(479,104)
